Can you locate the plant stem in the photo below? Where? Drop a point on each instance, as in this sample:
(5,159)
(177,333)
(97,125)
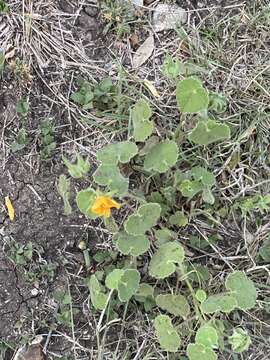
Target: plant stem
(87,258)
(195,301)
(179,128)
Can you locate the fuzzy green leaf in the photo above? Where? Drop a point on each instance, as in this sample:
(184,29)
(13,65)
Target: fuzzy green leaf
(207,336)
(113,278)
(78,170)
(199,351)
(174,304)
(63,187)
(85,199)
(119,152)
(171,68)
(142,126)
(217,102)
(161,157)
(240,340)
(98,298)
(167,335)
(178,219)
(146,216)
(163,236)
(219,302)
(200,295)
(198,273)
(133,245)
(128,284)
(109,175)
(163,261)
(190,188)
(207,196)
(207,132)
(201,174)
(191,96)
(242,289)
(144,291)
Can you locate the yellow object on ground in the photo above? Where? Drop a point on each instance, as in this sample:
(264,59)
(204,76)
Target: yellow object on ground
(10,208)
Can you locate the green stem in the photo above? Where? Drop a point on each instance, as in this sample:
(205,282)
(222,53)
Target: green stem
(195,301)
(179,128)
(86,258)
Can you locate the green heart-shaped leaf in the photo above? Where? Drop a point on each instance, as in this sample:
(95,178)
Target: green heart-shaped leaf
(128,284)
(142,126)
(145,291)
(207,132)
(199,351)
(174,304)
(98,298)
(109,175)
(113,278)
(204,176)
(163,236)
(161,157)
(119,152)
(146,216)
(178,219)
(242,289)
(191,96)
(163,261)
(85,199)
(133,245)
(207,336)
(190,188)
(200,295)
(219,302)
(167,335)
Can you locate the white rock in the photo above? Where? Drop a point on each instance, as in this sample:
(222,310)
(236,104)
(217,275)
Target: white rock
(168,17)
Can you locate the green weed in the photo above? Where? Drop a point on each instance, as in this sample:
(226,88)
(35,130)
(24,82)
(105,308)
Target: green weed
(48,144)
(117,15)
(170,185)
(20,142)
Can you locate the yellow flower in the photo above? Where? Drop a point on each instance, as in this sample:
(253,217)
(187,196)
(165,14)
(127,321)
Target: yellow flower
(10,208)
(103,205)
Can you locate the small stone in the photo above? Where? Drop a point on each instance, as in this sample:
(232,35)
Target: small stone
(91,10)
(34,292)
(167,17)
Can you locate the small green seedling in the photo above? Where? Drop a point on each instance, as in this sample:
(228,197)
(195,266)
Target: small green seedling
(84,96)
(101,96)
(171,68)
(117,16)
(79,169)
(198,180)
(239,340)
(20,141)
(22,107)
(21,254)
(48,144)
